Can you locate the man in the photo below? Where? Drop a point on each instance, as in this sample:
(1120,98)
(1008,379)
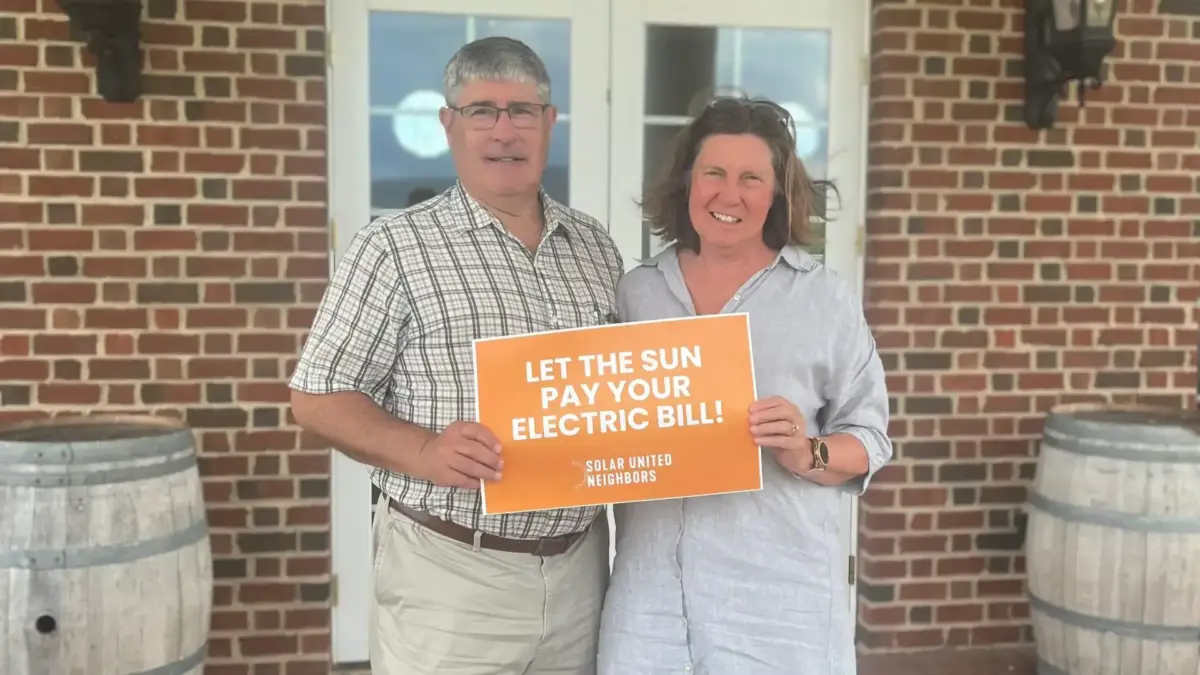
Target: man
(386,376)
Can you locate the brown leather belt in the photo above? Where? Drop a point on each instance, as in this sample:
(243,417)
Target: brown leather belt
(545,547)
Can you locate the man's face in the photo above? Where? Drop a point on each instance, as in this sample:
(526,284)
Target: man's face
(500,155)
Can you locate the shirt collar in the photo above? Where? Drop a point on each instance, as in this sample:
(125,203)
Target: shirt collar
(799,259)
(554,214)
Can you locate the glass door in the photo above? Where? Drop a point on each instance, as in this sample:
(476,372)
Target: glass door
(625,74)
(388,151)
(809,56)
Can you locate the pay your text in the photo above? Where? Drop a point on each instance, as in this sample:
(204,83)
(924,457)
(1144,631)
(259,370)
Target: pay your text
(617,392)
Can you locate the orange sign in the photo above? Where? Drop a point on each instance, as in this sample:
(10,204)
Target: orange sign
(621,413)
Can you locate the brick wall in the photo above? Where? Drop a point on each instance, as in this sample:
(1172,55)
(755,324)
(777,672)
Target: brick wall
(1009,270)
(167,255)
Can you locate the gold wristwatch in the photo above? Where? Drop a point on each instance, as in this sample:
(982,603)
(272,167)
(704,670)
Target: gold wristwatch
(820,450)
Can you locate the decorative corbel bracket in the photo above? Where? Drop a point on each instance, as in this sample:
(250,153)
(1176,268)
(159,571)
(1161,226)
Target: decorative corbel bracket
(112,30)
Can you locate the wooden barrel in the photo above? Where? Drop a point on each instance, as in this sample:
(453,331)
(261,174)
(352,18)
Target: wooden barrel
(1113,543)
(105,562)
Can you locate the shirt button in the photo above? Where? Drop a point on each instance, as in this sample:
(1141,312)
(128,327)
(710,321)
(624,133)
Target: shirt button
(687,669)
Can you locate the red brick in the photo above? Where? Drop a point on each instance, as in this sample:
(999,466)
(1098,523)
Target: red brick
(103,209)
(967,215)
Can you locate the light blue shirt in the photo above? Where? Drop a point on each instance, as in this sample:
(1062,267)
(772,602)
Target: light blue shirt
(752,583)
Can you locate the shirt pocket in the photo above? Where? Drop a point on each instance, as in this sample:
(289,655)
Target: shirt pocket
(584,301)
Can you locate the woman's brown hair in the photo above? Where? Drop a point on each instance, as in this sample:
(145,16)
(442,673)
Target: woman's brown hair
(665,206)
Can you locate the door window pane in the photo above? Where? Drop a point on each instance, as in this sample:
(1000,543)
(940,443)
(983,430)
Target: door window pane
(407,54)
(684,64)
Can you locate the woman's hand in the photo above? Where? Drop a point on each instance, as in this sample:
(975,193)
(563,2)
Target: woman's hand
(776,423)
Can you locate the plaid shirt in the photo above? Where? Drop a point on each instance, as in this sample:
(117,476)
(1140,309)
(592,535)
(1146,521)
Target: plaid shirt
(411,294)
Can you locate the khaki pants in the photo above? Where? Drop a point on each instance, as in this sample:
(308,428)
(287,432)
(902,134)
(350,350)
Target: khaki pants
(444,608)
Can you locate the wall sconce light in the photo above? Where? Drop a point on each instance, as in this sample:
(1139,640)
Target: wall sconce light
(112,31)
(1065,41)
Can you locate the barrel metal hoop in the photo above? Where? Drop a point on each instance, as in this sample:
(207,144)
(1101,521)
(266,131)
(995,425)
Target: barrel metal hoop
(112,554)
(1135,522)
(184,665)
(1114,442)
(95,452)
(1137,631)
(82,474)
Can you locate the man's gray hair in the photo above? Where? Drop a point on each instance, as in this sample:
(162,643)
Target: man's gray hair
(498,59)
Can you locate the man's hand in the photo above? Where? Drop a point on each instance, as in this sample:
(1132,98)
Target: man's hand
(461,456)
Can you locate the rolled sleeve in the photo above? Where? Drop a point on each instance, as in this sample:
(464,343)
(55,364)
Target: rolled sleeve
(356,335)
(858,405)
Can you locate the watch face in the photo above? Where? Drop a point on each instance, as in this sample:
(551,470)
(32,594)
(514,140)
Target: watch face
(823,452)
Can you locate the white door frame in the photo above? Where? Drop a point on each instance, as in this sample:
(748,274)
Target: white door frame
(603,179)
(348,140)
(350,211)
(849,24)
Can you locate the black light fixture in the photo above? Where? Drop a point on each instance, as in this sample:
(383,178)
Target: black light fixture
(1065,41)
(112,31)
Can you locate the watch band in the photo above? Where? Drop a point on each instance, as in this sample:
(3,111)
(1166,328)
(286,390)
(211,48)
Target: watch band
(820,450)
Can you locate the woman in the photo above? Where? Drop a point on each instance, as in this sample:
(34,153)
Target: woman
(751,583)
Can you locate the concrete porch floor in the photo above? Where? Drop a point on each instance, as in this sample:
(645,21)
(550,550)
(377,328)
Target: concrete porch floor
(991,661)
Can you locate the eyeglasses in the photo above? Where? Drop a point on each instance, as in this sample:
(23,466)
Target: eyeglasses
(484,117)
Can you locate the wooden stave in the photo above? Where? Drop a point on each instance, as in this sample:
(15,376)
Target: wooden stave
(163,463)
(1175,645)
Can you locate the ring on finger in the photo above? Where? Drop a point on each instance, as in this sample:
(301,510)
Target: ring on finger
(795,428)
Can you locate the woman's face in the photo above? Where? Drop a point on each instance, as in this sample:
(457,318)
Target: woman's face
(732,188)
